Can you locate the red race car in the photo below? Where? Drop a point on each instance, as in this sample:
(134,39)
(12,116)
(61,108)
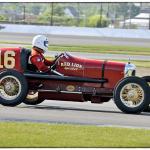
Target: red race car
(73,79)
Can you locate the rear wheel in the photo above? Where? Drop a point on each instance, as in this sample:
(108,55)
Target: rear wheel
(131,95)
(32,98)
(13,88)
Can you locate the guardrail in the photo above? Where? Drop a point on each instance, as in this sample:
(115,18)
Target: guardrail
(76,31)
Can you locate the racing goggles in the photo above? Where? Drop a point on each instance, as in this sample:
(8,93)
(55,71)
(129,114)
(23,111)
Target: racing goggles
(46,43)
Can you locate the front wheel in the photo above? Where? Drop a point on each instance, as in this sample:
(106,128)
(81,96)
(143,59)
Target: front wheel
(131,95)
(13,88)
(147,79)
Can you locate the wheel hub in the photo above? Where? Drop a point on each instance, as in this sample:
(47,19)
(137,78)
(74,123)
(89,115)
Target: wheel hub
(9,87)
(132,95)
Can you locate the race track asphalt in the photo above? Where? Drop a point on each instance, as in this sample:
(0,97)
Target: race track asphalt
(76,40)
(106,114)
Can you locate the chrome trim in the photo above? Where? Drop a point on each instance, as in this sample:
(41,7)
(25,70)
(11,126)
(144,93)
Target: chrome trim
(129,69)
(71,92)
(56,72)
(40,90)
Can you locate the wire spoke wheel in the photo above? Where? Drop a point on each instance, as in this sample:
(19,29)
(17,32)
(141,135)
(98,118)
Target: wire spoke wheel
(13,88)
(10,87)
(132,95)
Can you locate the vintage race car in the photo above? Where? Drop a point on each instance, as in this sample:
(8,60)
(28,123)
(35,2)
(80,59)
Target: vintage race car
(72,79)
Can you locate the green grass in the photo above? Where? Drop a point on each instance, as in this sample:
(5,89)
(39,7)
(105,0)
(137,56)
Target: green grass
(102,49)
(109,49)
(14,134)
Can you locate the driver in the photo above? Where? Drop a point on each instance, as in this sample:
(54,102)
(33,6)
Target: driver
(39,47)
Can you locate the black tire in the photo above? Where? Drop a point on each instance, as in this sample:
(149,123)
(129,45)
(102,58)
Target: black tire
(32,101)
(147,79)
(28,102)
(12,100)
(147,109)
(139,82)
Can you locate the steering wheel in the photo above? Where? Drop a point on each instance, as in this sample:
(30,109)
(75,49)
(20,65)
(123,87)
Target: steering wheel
(56,60)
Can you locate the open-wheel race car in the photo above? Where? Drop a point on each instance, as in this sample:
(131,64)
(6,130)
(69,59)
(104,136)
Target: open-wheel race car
(72,79)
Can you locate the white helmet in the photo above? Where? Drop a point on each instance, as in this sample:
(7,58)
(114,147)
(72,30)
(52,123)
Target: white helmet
(40,41)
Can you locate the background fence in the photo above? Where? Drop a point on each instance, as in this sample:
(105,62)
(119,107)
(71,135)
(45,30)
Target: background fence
(112,15)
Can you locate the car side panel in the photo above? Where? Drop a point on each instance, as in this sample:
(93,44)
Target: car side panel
(90,68)
(10,59)
(114,71)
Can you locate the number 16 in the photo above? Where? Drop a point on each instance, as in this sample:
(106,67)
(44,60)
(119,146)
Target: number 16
(9,60)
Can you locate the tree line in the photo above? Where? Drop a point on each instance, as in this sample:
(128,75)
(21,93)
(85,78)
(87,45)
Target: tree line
(68,14)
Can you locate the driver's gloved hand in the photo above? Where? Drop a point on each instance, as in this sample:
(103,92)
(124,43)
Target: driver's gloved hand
(56,55)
